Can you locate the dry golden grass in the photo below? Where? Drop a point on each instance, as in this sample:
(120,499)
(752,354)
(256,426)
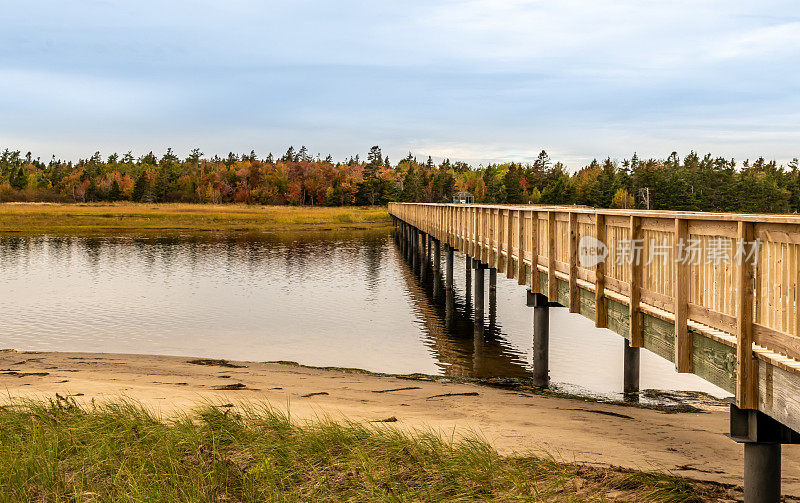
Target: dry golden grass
(44,218)
(60,451)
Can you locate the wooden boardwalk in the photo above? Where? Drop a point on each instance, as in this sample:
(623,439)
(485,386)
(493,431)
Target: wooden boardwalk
(718,294)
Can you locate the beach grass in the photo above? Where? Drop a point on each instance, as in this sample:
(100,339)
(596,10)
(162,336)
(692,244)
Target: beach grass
(109,218)
(59,450)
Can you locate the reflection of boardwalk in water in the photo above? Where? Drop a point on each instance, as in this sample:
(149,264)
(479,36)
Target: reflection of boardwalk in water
(460,346)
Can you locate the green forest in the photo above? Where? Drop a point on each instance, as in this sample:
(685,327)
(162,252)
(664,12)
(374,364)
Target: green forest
(694,182)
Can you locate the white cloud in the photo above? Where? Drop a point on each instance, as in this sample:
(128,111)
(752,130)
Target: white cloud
(769,41)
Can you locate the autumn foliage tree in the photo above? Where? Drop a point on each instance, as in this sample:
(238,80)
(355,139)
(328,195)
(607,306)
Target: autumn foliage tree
(694,182)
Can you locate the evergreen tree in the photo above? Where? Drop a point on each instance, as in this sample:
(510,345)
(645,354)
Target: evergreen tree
(115,194)
(513,184)
(140,187)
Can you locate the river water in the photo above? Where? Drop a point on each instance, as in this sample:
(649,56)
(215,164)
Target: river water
(344,299)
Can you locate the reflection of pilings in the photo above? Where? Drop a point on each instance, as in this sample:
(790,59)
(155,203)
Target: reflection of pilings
(630,366)
(414,250)
(492,279)
(437,257)
(449,309)
(408,241)
(492,308)
(479,295)
(449,267)
(477,347)
(450,331)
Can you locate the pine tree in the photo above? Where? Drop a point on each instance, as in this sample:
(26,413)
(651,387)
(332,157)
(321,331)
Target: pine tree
(512,181)
(140,187)
(115,194)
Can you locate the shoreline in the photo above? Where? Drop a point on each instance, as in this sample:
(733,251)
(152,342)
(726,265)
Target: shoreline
(513,421)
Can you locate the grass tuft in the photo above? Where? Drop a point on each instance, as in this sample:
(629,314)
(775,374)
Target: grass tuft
(62,451)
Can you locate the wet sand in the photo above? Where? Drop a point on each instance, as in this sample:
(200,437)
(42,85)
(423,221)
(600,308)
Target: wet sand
(571,430)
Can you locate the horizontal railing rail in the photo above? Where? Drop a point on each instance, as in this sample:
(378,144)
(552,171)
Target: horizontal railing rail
(731,278)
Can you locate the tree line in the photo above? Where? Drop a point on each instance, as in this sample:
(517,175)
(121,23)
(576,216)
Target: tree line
(698,183)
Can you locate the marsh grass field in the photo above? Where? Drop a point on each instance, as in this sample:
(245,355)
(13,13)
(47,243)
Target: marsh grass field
(110,218)
(62,451)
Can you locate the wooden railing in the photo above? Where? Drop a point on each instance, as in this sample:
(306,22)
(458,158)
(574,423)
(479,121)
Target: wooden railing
(738,287)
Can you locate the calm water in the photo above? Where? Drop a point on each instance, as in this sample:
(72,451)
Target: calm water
(328,299)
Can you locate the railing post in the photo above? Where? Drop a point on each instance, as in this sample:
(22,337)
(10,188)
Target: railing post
(635,315)
(552,282)
(574,296)
(497,238)
(509,244)
(683,340)
(533,240)
(482,232)
(473,244)
(521,279)
(600,307)
(746,365)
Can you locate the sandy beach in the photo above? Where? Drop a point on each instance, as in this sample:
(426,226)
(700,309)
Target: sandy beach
(686,444)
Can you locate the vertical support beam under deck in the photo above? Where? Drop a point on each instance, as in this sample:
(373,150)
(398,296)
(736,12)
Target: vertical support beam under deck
(468,281)
(630,371)
(746,365)
(762,472)
(683,340)
(541,338)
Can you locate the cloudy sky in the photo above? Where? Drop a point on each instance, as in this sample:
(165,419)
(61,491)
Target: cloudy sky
(473,80)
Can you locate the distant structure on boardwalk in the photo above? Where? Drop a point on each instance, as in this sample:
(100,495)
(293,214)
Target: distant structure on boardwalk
(463,198)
